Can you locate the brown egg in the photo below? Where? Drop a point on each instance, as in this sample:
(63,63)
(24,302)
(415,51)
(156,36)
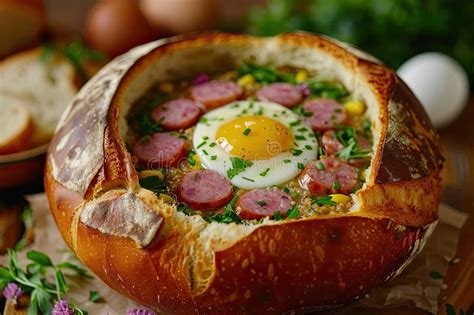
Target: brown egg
(115,26)
(180,16)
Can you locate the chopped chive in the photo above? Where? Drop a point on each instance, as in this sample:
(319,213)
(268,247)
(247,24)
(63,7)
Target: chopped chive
(214,157)
(308,147)
(247,131)
(277,216)
(261,203)
(294,194)
(292,213)
(203,120)
(286,189)
(249,179)
(286,161)
(205,138)
(265,172)
(212,144)
(296,152)
(295,123)
(301,166)
(202,144)
(300,137)
(320,166)
(302,129)
(336,185)
(205,152)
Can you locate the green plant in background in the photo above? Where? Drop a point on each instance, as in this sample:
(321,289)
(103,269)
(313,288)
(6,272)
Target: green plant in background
(391,30)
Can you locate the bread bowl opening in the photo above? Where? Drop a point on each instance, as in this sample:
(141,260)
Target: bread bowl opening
(249,132)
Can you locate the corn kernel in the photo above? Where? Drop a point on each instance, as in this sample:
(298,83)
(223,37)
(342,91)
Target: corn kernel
(355,107)
(166,87)
(166,198)
(340,198)
(246,80)
(301,75)
(149,173)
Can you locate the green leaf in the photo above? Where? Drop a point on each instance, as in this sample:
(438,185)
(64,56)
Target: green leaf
(5,274)
(95,297)
(43,299)
(61,282)
(40,258)
(77,269)
(450,310)
(33,307)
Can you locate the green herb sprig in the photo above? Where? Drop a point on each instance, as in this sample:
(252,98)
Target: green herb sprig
(265,74)
(238,166)
(141,120)
(323,201)
(229,216)
(34,280)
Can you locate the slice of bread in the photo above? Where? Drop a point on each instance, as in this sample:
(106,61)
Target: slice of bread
(15,128)
(21,24)
(43,86)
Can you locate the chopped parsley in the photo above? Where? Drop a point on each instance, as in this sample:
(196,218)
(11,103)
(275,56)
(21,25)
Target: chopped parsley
(191,159)
(292,213)
(238,166)
(320,166)
(185,209)
(277,216)
(261,203)
(247,131)
(336,185)
(141,120)
(265,172)
(323,201)
(265,74)
(153,183)
(296,152)
(229,216)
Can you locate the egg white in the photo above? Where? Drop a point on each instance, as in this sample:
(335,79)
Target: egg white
(281,167)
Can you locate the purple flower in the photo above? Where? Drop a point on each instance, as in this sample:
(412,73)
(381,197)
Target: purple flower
(62,308)
(135,311)
(201,78)
(12,291)
(304,88)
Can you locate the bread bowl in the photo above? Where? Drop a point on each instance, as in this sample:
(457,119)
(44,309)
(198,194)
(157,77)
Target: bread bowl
(173,262)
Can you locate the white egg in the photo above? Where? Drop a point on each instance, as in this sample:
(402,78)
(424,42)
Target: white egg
(281,167)
(440,83)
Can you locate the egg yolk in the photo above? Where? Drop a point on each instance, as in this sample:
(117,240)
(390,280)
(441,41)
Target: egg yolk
(254,137)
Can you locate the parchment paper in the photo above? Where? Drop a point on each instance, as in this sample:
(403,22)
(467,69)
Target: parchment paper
(413,287)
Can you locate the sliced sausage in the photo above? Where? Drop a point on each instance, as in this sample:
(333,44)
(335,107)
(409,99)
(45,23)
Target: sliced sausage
(326,114)
(328,176)
(160,150)
(177,114)
(260,203)
(282,93)
(205,190)
(216,93)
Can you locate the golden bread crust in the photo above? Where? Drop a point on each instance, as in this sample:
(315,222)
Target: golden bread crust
(191,266)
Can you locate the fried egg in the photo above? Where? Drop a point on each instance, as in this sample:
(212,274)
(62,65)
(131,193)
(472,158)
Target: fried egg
(254,144)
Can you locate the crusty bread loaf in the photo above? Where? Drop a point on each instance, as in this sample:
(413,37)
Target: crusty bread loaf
(21,23)
(15,128)
(191,266)
(42,87)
